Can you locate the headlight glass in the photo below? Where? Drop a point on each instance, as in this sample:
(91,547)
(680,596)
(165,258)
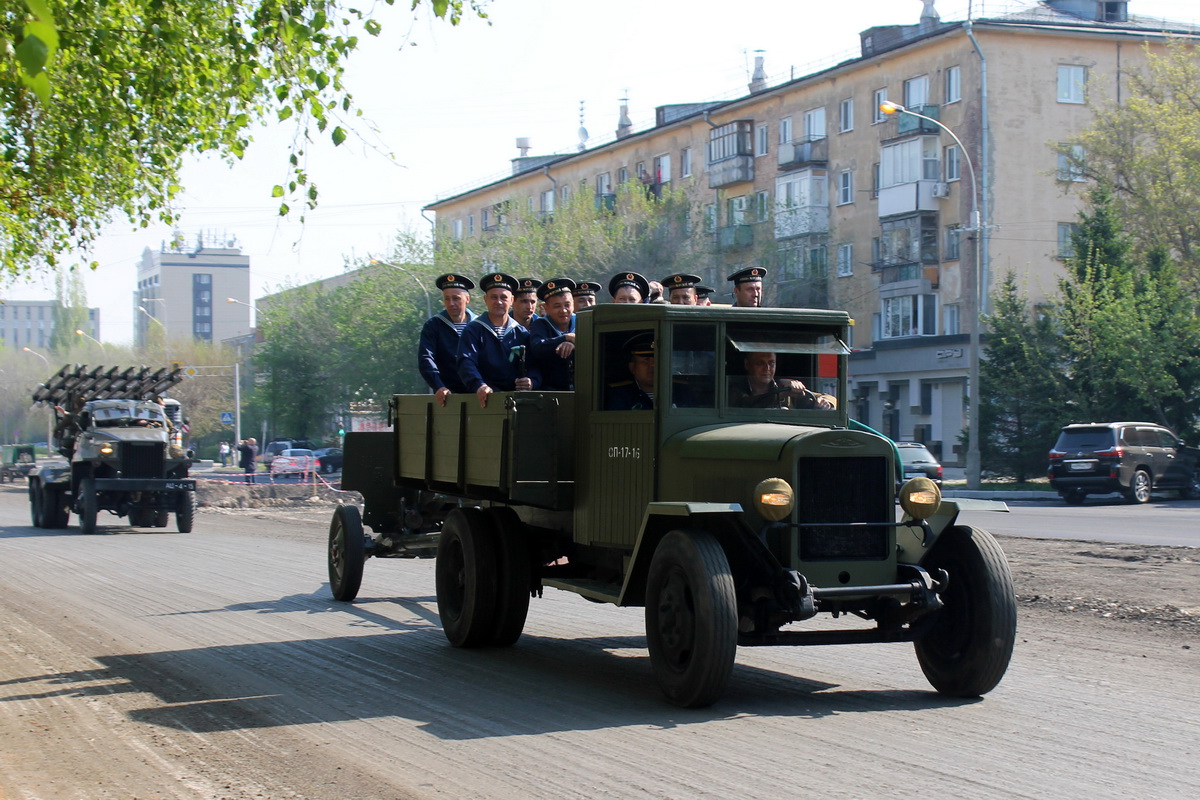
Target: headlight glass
(920,498)
(106,449)
(774,499)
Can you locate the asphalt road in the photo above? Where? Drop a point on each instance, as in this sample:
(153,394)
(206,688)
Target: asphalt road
(213,665)
(1162,521)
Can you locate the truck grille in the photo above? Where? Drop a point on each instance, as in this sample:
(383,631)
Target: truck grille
(851,489)
(143,460)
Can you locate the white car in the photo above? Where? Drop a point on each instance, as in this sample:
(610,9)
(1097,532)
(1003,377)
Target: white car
(295,460)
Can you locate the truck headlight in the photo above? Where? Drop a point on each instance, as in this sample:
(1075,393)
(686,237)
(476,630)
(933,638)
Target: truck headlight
(106,449)
(920,498)
(774,499)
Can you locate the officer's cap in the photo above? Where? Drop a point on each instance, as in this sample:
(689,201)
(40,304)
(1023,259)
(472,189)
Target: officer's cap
(748,275)
(527,286)
(498,280)
(586,288)
(640,344)
(680,281)
(704,291)
(629,279)
(450,281)
(555,286)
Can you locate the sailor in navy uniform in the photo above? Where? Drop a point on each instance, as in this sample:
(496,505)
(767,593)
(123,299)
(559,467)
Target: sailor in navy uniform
(629,287)
(487,357)
(525,300)
(437,352)
(585,294)
(748,287)
(703,294)
(552,336)
(636,394)
(681,289)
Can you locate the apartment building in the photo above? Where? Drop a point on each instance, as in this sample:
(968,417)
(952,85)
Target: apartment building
(850,207)
(30,323)
(184,289)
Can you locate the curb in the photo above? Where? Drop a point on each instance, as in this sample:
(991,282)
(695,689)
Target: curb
(979,494)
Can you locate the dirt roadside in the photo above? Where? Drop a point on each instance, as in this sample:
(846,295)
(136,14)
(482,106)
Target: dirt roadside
(1154,588)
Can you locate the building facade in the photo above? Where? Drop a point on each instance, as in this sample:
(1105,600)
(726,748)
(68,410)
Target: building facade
(30,323)
(850,207)
(184,290)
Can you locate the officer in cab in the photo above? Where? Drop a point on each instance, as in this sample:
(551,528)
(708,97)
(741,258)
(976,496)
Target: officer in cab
(636,394)
(748,287)
(437,350)
(492,348)
(552,335)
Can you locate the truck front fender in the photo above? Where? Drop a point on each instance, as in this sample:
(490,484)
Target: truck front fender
(660,519)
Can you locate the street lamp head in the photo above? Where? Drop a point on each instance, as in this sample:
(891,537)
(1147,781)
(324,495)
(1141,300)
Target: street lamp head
(78,332)
(888,107)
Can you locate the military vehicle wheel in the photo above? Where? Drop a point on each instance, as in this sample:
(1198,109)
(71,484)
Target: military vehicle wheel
(1139,487)
(35,503)
(514,577)
(160,519)
(89,505)
(55,513)
(466,578)
(966,652)
(185,514)
(347,553)
(691,618)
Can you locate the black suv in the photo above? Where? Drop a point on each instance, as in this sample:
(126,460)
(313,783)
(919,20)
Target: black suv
(1133,458)
(918,462)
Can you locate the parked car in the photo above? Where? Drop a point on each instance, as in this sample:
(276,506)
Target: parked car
(329,459)
(918,463)
(299,460)
(268,453)
(1133,458)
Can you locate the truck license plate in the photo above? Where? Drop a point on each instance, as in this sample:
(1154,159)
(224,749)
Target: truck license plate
(177,485)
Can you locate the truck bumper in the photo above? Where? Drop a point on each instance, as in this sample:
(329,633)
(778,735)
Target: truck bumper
(145,485)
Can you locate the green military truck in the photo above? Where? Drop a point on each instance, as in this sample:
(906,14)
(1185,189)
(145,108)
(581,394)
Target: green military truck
(124,447)
(730,517)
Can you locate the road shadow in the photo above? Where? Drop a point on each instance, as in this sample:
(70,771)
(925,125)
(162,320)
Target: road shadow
(541,685)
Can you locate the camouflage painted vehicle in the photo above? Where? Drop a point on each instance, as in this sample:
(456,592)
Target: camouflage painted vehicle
(125,451)
(730,525)
(16,461)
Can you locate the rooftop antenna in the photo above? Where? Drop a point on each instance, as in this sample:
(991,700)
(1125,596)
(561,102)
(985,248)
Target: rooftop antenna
(583,134)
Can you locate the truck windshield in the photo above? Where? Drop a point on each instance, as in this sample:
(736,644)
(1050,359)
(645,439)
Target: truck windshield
(783,369)
(126,414)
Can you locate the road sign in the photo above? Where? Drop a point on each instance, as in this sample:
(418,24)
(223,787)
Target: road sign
(226,417)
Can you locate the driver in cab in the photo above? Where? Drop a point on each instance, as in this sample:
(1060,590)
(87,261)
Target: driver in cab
(761,389)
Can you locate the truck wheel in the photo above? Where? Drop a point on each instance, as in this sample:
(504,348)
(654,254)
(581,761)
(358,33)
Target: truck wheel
(346,553)
(691,618)
(185,514)
(1139,487)
(466,578)
(35,503)
(159,519)
(966,652)
(89,506)
(513,578)
(55,513)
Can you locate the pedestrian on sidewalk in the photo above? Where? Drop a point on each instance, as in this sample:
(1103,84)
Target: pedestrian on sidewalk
(223,452)
(248,450)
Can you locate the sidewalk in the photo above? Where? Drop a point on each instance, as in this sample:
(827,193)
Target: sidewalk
(956,475)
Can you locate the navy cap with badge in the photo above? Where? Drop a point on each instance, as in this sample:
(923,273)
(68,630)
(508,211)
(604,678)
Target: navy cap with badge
(681,281)
(633,279)
(451,281)
(586,288)
(748,275)
(704,291)
(555,286)
(498,280)
(527,286)
(641,344)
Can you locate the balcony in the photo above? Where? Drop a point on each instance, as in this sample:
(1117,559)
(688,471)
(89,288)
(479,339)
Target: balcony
(606,201)
(803,153)
(907,124)
(908,198)
(801,221)
(728,171)
(734,237)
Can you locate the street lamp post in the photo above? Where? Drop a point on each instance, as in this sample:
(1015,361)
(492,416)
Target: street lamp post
(86,335)
(411,274)
(50,415)
(237,376)
(974,466)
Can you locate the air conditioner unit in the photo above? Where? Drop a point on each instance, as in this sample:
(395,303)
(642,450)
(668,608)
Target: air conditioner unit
(941,189)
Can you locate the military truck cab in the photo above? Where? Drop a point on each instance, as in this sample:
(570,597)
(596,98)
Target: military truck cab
(706,469)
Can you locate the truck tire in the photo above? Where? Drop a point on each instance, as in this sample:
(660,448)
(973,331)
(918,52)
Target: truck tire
(347,553)
(185,514)
(966,652)
(159,519)
(89,506)
(691,618)
(35,503)
(513,579)
(55,513)
(466,578)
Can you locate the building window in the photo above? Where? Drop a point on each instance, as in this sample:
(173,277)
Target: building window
(471,225)
(952,243)
(735,208)
(1070,164)
(458,229)
(911,315)
(762,206)
(908,241)
(953,84)
(845,187)
(909,161)
(950,320)
(685,162)
(846,115)
(845,260)
(951,160)
(565,191)
(203,311)
(762,140)
(603,184)
(204,279)
(622,175)
(1066,239)
(880,98)
(730,141)
(662,168)
(916,92)
(814,124)
(1072,83)
(785,130)
(710,218)
(876,177)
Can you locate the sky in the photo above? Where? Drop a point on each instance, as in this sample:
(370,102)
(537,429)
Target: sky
(447,104)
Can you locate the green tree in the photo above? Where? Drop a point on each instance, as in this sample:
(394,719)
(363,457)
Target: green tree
(101,101)
(1146,147)
(71,312)
(1021,387)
